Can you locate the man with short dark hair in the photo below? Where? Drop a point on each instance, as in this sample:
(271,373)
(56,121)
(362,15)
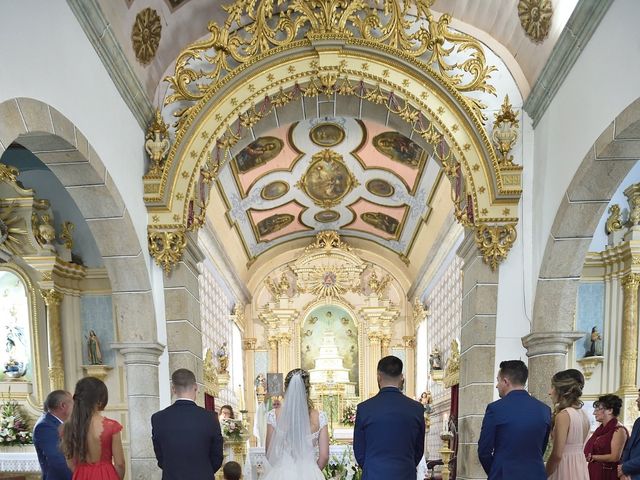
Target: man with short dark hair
(515,429)
(388,439)
(46,436)
(231,471)
(186,438)
(629,466)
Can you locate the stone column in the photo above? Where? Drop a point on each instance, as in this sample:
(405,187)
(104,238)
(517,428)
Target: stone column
(547,352)
(52,299)
(375,354)
(284,353)
(141,361)
(385,341)
(477,353)
(629,354)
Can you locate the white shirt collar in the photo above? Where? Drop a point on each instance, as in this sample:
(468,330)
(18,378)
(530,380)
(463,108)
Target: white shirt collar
(56,418)
(187,399)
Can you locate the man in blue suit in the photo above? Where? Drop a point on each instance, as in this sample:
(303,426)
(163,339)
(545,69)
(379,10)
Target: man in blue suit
(630,461)
(515,429)
(46,436)
(186,438)
(388,439)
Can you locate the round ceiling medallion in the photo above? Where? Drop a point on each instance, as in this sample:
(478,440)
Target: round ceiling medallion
(327,180)
(145,35)
(380,187)
(274,190)
(326,216)
(327,134)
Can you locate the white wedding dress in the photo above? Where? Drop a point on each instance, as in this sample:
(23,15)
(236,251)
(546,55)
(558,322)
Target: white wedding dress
(293,450)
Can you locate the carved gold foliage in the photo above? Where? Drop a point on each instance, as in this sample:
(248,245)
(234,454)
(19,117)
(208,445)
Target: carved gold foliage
(145,35)
(282,24)
(327,240)
(67,234)
(12,231)
(280,288)
(495,241)
(157,144)
(378,287)
(8,174)
(614,222)
(535,18)
(167,247)
(210,375)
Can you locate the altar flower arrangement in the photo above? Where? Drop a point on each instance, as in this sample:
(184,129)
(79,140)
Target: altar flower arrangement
(233,430)
(349,416)
(14,428)
(344,467)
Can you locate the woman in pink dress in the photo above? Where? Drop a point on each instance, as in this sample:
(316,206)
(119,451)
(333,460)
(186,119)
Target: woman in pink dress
(92,443)
(604,448)
(570,427)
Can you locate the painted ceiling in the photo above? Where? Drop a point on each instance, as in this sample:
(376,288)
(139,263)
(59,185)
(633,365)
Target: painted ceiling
(358,177)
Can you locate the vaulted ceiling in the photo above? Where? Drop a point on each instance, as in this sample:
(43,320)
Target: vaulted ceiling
(361,178)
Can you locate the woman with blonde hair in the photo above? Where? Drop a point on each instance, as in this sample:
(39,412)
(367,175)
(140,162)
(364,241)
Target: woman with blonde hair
(570,427)
(297,442)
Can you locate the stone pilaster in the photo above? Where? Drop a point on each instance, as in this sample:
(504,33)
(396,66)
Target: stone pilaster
(477,353)
(182,312)
(375,354)
(547,352)
(141,361)
(52,299)
(284,353)
(629,354)
(273,353)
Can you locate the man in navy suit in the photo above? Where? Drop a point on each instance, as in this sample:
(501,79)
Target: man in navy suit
(515,429)
(388,439)
(630,461)
(46,436)
(186,438)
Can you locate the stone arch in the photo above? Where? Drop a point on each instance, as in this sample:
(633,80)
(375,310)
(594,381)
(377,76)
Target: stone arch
(62,147)
(604,167)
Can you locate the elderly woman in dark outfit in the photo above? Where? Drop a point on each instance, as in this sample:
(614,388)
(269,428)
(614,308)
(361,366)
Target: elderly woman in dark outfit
(604,449)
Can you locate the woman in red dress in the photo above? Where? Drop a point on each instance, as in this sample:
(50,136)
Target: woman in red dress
(604,449)
(92,443)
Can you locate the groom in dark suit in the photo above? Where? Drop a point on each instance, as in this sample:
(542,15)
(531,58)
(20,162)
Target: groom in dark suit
(515,429)
(630,461)
(388,438)
(46,436)
(186,438)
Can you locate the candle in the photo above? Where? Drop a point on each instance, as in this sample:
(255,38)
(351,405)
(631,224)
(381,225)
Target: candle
(445,422)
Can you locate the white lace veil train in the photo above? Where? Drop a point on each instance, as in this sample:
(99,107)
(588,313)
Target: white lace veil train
(291,443)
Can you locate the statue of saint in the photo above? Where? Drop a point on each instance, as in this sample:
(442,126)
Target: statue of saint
(596,343)
(223,358)
(435,360)
(93,345)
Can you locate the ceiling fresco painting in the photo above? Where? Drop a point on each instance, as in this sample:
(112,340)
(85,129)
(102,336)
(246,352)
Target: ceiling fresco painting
(360,178)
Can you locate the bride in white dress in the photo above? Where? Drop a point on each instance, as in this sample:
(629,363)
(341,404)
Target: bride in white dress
(297,442)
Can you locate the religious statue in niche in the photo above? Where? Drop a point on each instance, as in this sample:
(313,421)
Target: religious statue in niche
(426,399)
(435,359)
(223,358)
(261,384)
(595,345)
(93,347)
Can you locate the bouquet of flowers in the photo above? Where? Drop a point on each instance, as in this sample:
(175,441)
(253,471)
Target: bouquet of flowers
(233,430)
(349,416)
(14,428)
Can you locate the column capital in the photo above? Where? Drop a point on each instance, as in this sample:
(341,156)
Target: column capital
(140,353)
(52,297)
(545,343)
(631,280)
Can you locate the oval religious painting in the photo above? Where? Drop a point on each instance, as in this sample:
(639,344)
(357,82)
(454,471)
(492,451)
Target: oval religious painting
(327,134)
(257,153)
(326,216)
(380,187)
(327,180)
(381,221)
(274,190)
(274,223)
(399,148)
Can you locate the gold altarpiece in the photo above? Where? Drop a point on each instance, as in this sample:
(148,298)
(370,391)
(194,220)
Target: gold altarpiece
(615,367)
(329,278)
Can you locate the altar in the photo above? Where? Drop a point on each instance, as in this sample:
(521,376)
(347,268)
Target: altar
(19,462)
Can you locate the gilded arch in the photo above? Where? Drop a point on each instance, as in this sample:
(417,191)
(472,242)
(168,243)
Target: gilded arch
(227,83)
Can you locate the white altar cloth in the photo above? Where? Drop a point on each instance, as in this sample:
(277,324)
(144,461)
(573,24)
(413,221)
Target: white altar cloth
(24,460)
